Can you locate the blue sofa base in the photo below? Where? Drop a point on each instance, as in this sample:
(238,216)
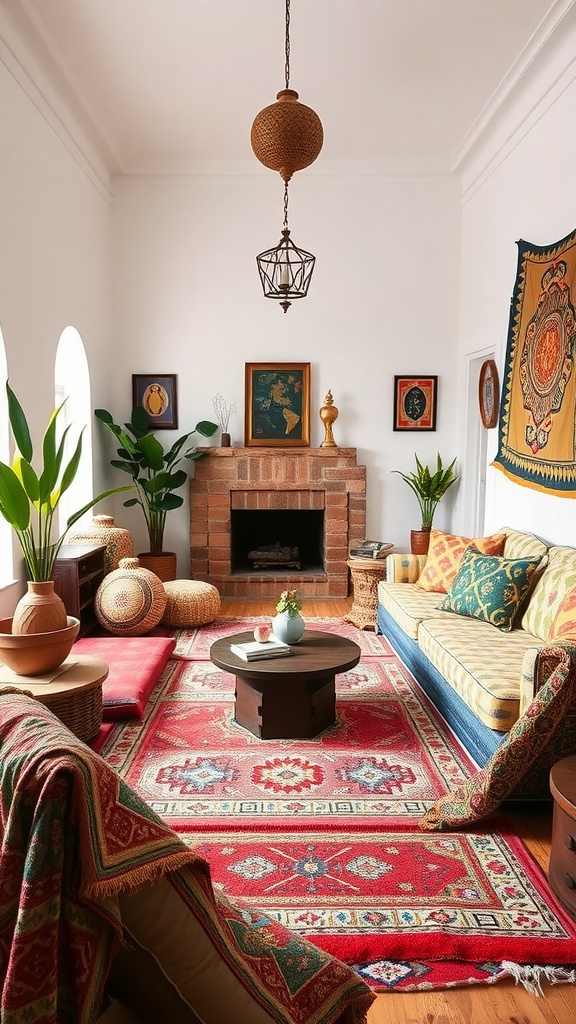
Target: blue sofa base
(477,738)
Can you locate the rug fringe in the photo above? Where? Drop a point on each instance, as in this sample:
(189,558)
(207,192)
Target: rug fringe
(531,976)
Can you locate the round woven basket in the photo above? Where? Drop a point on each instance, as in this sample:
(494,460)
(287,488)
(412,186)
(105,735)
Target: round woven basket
(131,600)
(190,603)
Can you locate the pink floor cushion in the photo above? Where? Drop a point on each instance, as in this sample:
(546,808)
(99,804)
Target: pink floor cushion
(135,664)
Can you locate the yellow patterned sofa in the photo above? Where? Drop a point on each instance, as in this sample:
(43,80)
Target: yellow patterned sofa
(480,677)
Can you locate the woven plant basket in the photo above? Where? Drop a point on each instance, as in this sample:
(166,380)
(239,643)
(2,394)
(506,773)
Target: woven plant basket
(190,603)
(131,600)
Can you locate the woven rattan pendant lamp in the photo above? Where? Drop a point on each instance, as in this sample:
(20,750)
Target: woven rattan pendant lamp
(286,137)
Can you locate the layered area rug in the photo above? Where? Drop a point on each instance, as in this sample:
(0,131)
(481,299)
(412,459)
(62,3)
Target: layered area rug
(323,835)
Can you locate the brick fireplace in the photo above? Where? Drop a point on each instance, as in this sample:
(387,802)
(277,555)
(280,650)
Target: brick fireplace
(290,479)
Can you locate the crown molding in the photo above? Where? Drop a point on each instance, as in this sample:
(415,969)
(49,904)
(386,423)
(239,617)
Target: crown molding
(31,64)
(541,74)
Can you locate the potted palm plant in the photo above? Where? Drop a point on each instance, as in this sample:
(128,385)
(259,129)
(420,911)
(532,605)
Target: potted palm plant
(429,486)
(28,502)
(156,477)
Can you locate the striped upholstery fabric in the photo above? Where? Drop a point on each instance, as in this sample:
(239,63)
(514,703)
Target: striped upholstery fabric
(481,663)
(404,568)
(550,591)
(408,605)
(522,545)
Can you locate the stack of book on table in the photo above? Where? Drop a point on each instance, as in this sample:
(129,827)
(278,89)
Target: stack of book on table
(253,650)
(371,549)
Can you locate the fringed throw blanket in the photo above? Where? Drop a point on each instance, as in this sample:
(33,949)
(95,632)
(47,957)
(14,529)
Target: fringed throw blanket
(521,766)
(73,836)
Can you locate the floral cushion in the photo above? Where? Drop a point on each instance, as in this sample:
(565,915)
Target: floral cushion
(490,588)
(445,556)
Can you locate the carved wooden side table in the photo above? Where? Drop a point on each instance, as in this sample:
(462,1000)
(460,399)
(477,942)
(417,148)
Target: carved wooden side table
(562,870)
(366,574)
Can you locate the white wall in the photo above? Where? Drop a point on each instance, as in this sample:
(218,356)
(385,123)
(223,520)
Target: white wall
(383,301)
(523,189)
(55,257)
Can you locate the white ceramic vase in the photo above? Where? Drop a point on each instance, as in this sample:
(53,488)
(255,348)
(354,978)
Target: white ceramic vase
(289,628)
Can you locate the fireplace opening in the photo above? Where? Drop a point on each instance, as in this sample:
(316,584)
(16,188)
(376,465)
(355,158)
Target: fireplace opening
(277,540)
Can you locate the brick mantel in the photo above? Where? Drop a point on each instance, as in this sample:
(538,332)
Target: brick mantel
(287,478)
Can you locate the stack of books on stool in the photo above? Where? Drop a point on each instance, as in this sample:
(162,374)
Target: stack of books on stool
(253,650)
(371,549)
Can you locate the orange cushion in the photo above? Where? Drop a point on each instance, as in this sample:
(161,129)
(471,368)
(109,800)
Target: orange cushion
(564,625)
(445,554)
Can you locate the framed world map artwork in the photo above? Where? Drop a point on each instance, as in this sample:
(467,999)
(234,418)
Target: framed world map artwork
(277,404)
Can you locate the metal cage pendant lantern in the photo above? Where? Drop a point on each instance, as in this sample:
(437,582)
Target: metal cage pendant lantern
(285,270)
(286,137)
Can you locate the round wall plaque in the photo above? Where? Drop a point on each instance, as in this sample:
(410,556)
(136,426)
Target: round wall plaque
(489,393)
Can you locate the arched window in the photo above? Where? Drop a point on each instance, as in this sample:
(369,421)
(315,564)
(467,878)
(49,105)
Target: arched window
(6,539)
(72,384)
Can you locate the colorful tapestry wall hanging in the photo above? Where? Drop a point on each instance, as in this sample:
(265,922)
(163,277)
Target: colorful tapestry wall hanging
(538,404)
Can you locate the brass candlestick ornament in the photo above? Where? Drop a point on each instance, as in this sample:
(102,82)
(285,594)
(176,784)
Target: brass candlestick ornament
(328,414)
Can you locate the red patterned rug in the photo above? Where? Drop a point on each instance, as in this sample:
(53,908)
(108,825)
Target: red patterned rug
(322,834)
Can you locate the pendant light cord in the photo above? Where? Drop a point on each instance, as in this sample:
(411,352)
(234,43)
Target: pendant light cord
(287,46)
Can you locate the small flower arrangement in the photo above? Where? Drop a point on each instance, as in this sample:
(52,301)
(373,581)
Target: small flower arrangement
(289,602)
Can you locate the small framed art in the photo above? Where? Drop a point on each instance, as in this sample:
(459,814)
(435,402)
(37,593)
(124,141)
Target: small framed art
(277,404)
(489,393)
(156,393)
(415,403)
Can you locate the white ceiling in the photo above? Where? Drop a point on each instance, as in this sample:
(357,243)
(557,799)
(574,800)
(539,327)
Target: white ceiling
(174,82)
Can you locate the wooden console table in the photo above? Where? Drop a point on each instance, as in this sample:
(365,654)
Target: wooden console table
(562,870)
(73,692)
(366,574)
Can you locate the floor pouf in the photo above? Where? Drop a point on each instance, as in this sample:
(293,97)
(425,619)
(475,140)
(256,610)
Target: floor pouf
(130,600)
(190,603)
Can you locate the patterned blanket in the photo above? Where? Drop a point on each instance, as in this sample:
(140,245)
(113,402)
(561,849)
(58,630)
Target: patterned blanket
(73,836)
(520,767)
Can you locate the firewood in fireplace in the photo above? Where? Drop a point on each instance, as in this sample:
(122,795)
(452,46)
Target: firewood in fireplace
(273,555)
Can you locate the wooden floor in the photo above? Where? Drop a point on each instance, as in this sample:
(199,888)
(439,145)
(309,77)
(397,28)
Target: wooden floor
(477,1004)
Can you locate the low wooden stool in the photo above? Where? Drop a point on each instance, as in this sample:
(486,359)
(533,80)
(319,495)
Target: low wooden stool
(562,869)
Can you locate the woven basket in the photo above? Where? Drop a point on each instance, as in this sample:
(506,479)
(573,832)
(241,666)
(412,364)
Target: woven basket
(80,710)
(131,600)
(190,603)
(119,542)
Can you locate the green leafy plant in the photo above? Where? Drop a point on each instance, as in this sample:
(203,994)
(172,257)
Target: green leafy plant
(289,602)
(429,486)
(154,471)
(28,500)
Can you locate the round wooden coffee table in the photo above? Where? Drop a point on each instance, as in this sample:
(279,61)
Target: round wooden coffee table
(291,697)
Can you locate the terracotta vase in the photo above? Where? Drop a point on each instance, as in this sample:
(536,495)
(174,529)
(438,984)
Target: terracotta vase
(420,540)
(40,610)
(163,565)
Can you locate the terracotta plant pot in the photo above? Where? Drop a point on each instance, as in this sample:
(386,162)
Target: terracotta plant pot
(420,540)
(163,566)
(34,654)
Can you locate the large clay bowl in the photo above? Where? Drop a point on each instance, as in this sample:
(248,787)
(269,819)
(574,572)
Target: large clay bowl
(33,654)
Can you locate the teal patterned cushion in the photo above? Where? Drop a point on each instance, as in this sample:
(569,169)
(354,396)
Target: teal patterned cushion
(490,588)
